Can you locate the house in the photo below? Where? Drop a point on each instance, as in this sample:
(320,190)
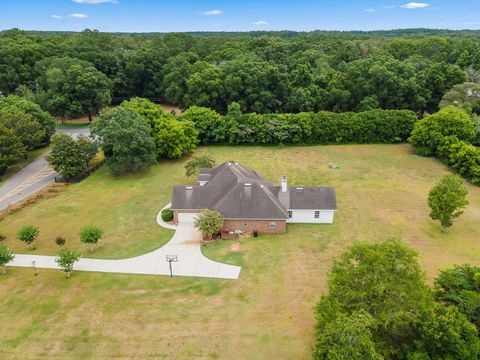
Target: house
(248,202)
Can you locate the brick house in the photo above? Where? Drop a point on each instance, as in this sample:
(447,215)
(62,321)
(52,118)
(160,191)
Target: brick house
(248,202)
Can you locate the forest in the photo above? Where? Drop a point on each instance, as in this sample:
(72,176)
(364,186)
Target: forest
(271,72)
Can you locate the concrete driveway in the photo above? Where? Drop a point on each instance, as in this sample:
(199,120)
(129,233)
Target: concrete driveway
(33,177)
(185,244)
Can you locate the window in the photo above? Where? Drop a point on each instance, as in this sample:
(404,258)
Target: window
(290,214)
(273,224)
(245,223)
(317,214)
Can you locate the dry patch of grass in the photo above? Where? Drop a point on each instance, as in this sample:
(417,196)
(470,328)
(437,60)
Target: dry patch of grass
(267,313)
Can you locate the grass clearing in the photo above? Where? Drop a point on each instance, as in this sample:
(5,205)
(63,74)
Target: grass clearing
(267,313)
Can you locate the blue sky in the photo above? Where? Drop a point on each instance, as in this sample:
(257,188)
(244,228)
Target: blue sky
(237,15)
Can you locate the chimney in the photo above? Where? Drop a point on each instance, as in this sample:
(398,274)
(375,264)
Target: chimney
(248,191)
(284,184)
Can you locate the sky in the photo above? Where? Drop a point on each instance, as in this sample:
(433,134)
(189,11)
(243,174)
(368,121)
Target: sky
(237,15)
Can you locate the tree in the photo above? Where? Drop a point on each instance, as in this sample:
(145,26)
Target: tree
(386,281)
(15,104)
(6,256)
(66,260)
(445,333)
(347,338)
(87,149)
(428,133)
(125,140)
(28,130)
(147,109)
(11,148)
(460,286)
(211,126)
(70,157)
(174,138)
(465,96)
(209,222)
(91,235)
(447,199)
(28,234)
(194,165)
(54,86)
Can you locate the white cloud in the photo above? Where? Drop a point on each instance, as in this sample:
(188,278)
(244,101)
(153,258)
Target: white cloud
(212,12)
(56,17)
(415,5)
(95,1)
(260,22)
(370,10)
(78,16)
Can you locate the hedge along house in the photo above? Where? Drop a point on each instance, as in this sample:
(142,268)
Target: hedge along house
(249,203)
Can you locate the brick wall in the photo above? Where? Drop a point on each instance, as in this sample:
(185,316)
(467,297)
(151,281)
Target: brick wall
(262,226)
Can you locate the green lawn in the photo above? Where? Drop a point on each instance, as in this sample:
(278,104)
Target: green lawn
(267,313)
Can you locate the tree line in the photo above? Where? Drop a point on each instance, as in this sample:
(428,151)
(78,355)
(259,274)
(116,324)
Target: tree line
(79,73)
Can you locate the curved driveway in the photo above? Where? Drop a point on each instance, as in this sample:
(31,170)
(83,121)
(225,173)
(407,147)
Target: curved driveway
(33,177)
(185,244)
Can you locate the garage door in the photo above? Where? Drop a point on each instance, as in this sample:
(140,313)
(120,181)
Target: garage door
(187,217)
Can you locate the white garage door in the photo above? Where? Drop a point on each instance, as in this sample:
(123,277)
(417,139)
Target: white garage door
(187,217)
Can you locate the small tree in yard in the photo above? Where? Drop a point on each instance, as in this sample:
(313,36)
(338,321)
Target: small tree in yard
(66,259)
(6,256)
(447,199)
(209,223)
(193,166)
(91,235)
(28,234)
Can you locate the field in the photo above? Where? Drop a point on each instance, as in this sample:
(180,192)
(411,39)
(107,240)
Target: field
(267,313)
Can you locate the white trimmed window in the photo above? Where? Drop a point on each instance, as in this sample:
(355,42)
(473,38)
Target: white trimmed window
(272,225)
(290,214)
(317,214)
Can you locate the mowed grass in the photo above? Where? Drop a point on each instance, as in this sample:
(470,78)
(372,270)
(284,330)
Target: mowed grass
(268,312)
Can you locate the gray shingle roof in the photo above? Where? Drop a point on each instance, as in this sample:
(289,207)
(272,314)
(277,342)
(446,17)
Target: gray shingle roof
(241,193)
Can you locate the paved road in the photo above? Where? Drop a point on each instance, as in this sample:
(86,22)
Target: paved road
(185,244)
(33,177)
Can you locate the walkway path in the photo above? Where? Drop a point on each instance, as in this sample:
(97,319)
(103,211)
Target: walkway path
(33,177)
(185,244)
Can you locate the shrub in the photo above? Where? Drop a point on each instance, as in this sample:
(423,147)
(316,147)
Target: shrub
(167,215)
(60,241)
(374,126)
(461,156)
(209,222)
(2,237)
